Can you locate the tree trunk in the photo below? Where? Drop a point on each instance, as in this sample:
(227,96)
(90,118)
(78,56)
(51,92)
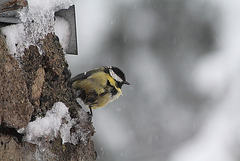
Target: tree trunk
(28,89)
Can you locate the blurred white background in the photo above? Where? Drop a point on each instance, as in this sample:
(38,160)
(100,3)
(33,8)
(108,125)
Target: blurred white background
(182,59)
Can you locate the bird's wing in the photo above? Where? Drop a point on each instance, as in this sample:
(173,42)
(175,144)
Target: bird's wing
(85,75)
(78,77)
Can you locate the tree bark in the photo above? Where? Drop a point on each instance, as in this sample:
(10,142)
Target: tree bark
(27,90)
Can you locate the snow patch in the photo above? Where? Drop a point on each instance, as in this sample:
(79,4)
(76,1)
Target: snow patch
(53,5)
(48,126)
(57,122)
(62,30)
(13,36)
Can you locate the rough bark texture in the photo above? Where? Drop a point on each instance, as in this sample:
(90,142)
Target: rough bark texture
(15,108)
(27,90)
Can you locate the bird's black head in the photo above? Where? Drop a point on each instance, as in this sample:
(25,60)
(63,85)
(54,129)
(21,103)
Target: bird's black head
(118,75)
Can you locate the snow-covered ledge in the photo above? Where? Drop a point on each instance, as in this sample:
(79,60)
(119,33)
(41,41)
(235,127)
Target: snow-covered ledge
(37,21)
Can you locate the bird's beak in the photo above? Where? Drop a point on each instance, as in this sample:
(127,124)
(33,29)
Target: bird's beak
(126,82)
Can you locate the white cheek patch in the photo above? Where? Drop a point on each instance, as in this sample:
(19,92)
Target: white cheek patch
(115,76)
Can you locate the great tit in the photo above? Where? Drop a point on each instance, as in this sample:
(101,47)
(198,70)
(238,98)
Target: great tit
(96,88)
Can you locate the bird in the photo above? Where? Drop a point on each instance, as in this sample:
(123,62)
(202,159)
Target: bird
(97,87)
